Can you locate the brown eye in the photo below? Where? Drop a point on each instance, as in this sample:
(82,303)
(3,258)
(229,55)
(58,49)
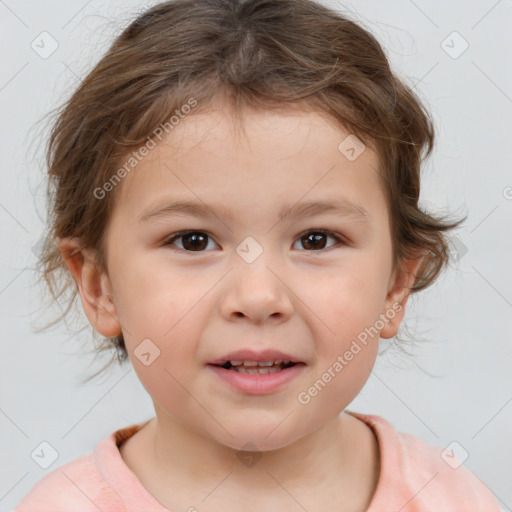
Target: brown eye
(192,241)
(316,240)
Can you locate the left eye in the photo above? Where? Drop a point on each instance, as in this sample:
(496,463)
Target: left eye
(196,241)
(314,238)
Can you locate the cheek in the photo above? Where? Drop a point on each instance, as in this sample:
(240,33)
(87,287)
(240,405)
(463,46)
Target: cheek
(164,354)
(153,299)
(162,318)
(338,379)
(347,302)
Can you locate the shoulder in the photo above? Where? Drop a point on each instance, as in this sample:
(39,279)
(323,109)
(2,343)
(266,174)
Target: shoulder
(77,485)
(442,474)
(418,476)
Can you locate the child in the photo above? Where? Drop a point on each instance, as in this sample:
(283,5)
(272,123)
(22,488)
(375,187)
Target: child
(191,175)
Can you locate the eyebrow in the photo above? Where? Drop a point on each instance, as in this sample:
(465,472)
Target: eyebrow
(340,207)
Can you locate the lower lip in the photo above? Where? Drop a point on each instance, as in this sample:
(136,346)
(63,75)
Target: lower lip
(258,384)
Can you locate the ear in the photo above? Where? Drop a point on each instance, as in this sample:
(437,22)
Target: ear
(93,285)
(398,294)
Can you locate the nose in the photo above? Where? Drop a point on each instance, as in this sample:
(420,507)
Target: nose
(257,292)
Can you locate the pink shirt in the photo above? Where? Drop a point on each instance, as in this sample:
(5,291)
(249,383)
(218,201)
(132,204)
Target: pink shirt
(413,478)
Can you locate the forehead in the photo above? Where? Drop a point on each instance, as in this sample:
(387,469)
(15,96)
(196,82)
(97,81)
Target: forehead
(257,131)
(274,154)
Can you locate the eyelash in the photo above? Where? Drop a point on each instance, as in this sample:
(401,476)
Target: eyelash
(169,241)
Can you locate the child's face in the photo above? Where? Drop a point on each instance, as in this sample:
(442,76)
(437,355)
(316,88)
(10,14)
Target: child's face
(306,297)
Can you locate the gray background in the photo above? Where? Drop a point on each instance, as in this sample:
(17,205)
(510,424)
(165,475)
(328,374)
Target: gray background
(457,387)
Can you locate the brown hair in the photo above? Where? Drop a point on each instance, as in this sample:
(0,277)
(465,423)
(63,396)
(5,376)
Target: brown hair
(261,54)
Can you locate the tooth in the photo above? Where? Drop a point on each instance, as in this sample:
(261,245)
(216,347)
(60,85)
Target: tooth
(258,371)
(268,370)
(255,367)
(251,371)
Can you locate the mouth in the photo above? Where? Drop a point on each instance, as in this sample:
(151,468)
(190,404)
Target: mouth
(257,367)
(257,374)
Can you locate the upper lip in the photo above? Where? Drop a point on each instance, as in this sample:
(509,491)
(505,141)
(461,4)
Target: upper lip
(253,355)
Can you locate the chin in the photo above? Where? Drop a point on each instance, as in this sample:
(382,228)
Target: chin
(255,445)
(255,435)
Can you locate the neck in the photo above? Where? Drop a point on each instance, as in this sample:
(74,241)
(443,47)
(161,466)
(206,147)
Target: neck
(178,458)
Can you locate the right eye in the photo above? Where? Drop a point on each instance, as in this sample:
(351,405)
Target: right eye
(193,241)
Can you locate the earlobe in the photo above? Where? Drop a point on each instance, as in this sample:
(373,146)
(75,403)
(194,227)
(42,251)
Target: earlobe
(93,285)
(397,297)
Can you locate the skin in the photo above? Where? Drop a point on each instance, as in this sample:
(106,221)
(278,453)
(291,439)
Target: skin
(196,306)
